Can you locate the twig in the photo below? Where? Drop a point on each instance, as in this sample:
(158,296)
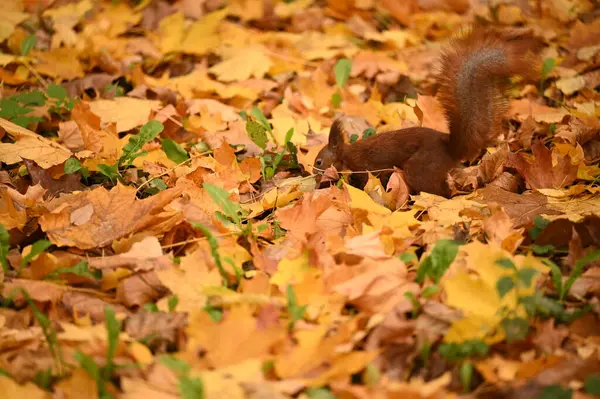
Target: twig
(35,73)
(199,239)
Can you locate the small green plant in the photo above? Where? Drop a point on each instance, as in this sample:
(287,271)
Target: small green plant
(416,305)
(269,164)
(556,274)
(172,302)
(368,132)
(189,387)
(79,269)
(155,185)
(214,250)
(49,333)
(60,99)
(456,352)
(591,385)
(555,392)
(16,108)
(36,248)
(4,247)
(320,393)
(132,150)
(539,224)
(28,44)
(295,311)
(257,126)
(232,213)
(114,87)
(547,66)
(215,314)
(515,327)
(103,374)
(73,165)
(341,70)
(466,375)
(435,265)
(175,152)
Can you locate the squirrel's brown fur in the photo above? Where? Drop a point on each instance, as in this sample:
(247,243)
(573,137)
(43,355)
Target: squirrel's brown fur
(473,79)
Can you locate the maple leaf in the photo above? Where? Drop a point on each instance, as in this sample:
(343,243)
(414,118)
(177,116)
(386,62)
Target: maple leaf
(61,62)
(10,19)
(126,112)
(32,146)
(548,169)
(246,63)
(115,214)
(235,339)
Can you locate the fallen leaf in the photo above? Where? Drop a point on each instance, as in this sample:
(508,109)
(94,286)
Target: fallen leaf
(29,145)
(109,209)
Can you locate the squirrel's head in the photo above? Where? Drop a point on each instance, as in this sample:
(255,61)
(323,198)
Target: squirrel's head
(331,155)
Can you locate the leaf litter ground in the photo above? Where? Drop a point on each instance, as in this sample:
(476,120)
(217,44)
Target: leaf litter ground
(162,233)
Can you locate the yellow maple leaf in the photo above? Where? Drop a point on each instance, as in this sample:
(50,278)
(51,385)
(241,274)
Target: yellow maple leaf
(171,31)
(127,112)
(361,200)
(58,63)
(201,35)
(283,119)
(290,271)
(475,293)
(32,146)
(247,9)
(118,17)
(64,20)
(244,64)
(8,20)
(189,281)
(235,339)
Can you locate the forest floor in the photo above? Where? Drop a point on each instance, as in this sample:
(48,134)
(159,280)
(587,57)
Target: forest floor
(163,232)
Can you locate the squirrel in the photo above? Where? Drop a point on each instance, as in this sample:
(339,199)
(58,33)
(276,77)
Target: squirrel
(472,84)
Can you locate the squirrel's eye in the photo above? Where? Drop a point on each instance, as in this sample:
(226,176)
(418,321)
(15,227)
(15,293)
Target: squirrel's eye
(319,162)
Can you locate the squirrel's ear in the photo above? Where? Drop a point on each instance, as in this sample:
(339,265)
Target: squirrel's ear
(336,136)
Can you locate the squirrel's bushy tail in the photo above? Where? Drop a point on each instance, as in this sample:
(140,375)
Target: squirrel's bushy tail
(475,71)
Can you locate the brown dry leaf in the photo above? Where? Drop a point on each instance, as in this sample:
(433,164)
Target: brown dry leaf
(548,169)
(374,287)
(81,305)
(102,142)
(40,291)
(499,230)
(522,207)
(162,328)
(116,213)
(29,145)
(301,218)
(144,255)
(54,187)
(550,337)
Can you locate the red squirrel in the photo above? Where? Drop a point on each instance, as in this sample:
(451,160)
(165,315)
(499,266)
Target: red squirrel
(473,79)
